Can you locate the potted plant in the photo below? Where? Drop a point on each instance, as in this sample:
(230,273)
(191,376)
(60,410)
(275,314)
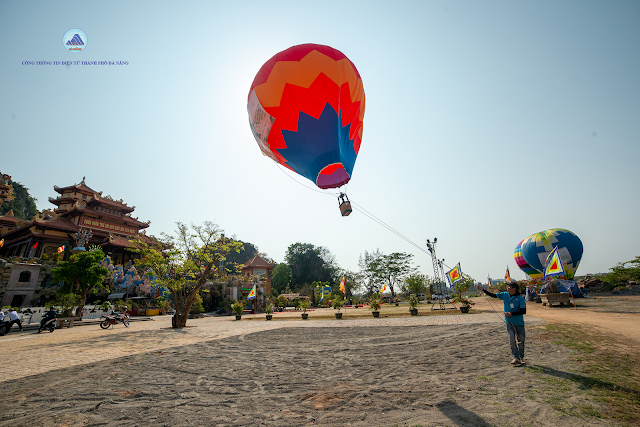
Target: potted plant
(338,304)
(238,307)
(413,304)
(397,301)
(105,306)
(374,304)
(304,305)
(465,303)
(268,310)
(460,295)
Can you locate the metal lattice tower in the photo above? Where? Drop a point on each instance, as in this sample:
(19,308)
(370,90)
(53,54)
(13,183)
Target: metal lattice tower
(438,271)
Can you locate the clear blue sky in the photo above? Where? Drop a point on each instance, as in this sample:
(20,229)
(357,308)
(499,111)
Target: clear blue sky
(485,121)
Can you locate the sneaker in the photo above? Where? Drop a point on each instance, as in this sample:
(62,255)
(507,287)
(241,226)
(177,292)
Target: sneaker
(515,361)
(523,362)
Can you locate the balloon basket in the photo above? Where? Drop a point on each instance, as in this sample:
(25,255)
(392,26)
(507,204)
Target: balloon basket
(345,208)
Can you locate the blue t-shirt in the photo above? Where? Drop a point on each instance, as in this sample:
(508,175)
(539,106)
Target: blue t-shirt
(512,304)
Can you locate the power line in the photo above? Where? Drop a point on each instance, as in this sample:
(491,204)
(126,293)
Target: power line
(388,227)
(360,209)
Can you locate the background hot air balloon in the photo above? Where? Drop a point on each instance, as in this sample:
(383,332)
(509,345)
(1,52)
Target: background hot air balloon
(522,264)
(536,247)
(306,107)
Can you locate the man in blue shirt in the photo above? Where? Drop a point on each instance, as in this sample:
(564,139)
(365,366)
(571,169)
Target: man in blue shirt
(514,309)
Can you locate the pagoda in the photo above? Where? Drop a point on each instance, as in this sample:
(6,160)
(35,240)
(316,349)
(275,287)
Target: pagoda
(9,222)
(257,266)
(110,223)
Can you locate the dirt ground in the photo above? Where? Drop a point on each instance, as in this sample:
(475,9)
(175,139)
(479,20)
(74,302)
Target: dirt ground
(429,370)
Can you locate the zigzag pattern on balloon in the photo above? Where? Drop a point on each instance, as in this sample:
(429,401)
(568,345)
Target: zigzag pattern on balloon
(300,65)
(312,101)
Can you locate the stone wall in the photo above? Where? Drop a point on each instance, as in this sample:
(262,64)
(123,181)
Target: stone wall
(24,281)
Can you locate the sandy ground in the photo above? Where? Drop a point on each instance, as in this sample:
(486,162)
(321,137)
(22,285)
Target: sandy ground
(416,371)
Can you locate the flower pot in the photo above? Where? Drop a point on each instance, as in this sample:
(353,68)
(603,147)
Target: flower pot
(413,311)
(269,316)
(397,304)
(305,315)
(338,315)
(464,309)
(238,317)
(375,313)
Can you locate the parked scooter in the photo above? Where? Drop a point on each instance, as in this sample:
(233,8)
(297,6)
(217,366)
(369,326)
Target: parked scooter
(113,319)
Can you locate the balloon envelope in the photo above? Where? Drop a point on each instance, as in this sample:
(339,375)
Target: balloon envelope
(522,264)
(306,107)
(537,247)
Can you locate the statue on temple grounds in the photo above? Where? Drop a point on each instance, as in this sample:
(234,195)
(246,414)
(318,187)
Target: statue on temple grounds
(81,238)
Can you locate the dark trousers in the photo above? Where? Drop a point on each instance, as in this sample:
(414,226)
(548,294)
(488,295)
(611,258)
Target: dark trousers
(14,321)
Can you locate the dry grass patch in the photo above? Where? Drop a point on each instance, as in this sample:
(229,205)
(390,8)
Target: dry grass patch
(611,370)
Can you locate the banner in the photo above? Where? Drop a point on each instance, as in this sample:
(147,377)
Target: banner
(454,275)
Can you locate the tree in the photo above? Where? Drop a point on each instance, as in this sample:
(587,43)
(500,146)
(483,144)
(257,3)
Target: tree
(309,263)
(281,301)
(183,263)
(307,290)
(280,277)
(82,274)
(393,268)
(371,282)
(623,272)
(235,260)
(23,205)
(415,283)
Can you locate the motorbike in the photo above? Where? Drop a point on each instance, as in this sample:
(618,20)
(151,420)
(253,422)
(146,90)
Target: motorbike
(47,325)
(113,319)
(5,327)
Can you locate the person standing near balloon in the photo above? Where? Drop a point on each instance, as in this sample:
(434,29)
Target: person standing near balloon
(515,307)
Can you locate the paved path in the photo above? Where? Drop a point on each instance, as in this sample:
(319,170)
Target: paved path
(32,353)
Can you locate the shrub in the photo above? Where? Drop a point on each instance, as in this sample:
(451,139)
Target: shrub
(413,301)
(197,306)
(374,302)
(304,305)
(238,307)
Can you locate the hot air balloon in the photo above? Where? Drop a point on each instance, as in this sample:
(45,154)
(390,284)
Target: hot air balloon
(536,247)
(522,264)
(306,107)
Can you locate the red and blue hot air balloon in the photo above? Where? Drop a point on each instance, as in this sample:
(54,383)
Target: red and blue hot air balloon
(306,107)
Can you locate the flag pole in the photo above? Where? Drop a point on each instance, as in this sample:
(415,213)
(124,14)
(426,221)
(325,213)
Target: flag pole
(571,293)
